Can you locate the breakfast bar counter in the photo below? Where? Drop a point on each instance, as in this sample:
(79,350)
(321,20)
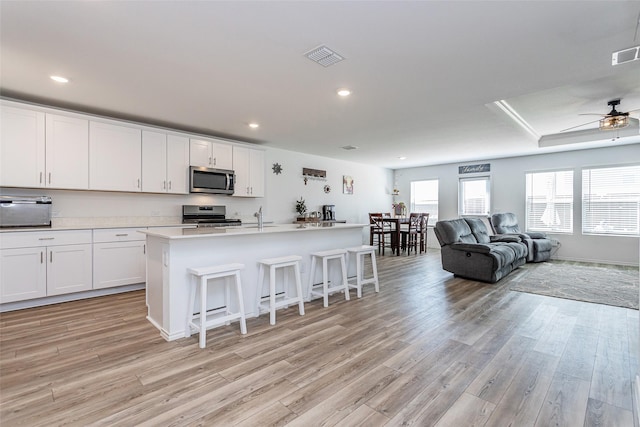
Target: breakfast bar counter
(171,251)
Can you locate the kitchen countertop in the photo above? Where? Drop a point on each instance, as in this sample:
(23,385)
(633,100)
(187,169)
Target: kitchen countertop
(190,233)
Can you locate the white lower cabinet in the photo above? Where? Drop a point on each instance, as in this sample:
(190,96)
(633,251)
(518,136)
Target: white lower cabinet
(118,257)
(40,264)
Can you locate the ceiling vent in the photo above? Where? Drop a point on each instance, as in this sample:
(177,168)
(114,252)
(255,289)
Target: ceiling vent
(323,56)
(626,55)
(349,147)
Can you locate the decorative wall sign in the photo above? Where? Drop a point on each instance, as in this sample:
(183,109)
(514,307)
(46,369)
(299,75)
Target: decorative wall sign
(484,167)
(277,169)
(347,184)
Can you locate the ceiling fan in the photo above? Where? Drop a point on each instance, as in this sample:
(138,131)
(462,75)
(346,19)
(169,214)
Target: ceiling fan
(613,120)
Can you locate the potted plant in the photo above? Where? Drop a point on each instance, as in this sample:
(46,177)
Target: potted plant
(301,208)
(399,209)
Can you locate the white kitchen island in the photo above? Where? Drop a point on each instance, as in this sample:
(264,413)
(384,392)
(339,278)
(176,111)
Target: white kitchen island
(171,251)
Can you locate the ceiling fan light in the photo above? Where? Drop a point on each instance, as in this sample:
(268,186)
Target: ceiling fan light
(614,122)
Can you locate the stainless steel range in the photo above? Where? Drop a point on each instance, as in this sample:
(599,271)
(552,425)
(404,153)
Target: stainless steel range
(207,216)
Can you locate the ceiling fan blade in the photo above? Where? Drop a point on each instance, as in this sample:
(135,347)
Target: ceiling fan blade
(593,114)
(579,126)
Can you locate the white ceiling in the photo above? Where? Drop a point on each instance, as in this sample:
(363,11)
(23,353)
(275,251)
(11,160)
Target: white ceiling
(423,73)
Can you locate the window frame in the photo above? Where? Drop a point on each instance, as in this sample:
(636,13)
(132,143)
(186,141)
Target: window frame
(461,204)
(433,218)
(571,197)
(587,202)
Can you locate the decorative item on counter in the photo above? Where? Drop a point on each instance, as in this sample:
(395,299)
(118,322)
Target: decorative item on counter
(301,208)
(347,184)
(399,209)
(277,168)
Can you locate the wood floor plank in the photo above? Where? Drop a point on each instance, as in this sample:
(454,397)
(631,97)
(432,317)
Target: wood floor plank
(428,349)
(565,403)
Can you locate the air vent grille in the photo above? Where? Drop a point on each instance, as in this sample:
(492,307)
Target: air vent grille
(627,55)
(324,56)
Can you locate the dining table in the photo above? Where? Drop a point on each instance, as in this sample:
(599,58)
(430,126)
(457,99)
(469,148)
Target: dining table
(395,222)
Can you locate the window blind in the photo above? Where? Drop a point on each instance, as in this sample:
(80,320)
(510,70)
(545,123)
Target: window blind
(549,201)
(611,200)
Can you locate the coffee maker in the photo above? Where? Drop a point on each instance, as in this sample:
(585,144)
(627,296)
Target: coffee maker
(328,213)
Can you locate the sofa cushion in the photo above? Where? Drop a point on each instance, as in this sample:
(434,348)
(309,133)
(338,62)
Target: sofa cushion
(505,223)
(479,230)
(455,230)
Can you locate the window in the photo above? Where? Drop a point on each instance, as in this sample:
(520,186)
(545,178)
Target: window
(424,198)
(549,198)
(474,196)
(611,200)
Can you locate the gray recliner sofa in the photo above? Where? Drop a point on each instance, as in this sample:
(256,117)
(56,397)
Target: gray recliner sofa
(538,245)
(468,251)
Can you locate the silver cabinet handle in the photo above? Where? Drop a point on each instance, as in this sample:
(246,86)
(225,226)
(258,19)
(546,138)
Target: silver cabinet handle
(169,185)
(40,177)
(49,177)
(164,185)
(144,249)
(41,257)
(46,238)
(122,235)
(138,182)
(210,161)
(50,256)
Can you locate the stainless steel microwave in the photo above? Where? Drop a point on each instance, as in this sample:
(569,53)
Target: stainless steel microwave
(212,181)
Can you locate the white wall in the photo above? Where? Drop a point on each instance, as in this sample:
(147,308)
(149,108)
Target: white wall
(372,188)
(508,195)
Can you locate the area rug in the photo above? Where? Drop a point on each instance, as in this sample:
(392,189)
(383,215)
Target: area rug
(597,283)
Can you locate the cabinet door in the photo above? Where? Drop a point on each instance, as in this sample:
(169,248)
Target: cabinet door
(241,167)
(23,274)
(257,168)
(177,164)
(22,152)
(222,156)
(118,263)
(114,157)
(200,153)
(68,269)
(67,152)
(154,162)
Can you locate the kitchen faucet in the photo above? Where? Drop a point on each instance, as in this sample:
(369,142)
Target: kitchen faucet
(260,218)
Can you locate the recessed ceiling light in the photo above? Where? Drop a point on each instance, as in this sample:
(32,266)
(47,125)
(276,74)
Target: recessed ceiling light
(254,125)
(344,92)
(402,158)
(59,79)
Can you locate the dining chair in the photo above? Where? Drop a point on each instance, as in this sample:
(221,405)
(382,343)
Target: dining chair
(411,232)
(379,230)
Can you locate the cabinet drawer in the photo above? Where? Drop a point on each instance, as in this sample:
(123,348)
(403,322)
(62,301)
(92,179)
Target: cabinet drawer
(31,239)
(118,235)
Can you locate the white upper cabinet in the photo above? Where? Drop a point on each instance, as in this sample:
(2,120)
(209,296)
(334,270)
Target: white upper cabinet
(67,152)
(211,154)
(44,150)
(154,162)
(177,164)
(248,165)
(115,156)
(22,153)
(165,163)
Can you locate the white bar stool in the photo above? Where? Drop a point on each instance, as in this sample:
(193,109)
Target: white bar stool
(292,261)
(205,274)
(360,252)
(326,256)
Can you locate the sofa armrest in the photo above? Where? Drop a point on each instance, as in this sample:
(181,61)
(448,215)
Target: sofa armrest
(506,238)
(472,247)
(537,235)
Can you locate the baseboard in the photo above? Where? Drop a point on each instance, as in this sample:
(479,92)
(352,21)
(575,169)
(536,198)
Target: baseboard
(594,261)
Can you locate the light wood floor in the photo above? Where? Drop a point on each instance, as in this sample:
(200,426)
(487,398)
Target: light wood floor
(429,349)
